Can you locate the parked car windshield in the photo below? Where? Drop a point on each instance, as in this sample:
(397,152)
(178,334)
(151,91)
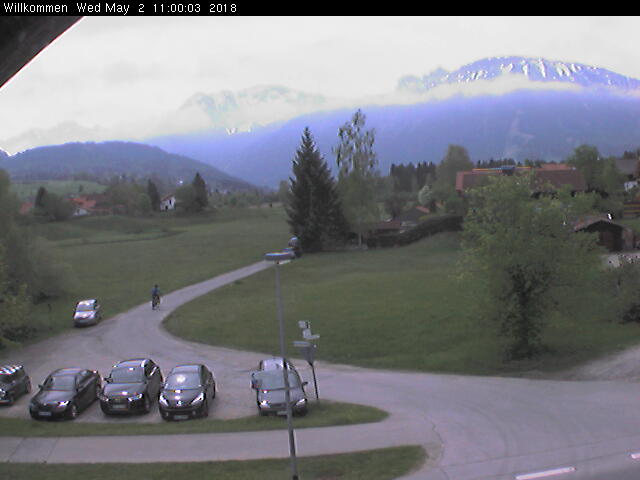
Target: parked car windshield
(60,382)
(274,380)
(84,307)
(183,381)
(127,375)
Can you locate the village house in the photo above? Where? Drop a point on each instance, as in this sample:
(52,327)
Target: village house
(168,202)
(555,174)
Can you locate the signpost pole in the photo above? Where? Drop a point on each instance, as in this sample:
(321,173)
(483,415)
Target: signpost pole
(285,375)
(315,382)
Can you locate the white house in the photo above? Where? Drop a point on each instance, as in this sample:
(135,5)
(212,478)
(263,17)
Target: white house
(168,202)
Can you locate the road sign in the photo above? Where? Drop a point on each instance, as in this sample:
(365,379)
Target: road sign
(303,324)
(307,335)
(301,344)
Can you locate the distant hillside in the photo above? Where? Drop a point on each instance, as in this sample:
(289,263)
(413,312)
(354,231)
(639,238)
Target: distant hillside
(533,124)
(104,160)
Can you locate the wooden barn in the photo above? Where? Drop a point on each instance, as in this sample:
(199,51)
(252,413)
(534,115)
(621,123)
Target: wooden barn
(611,235)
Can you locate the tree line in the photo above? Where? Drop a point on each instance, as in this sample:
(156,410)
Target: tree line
(29,271)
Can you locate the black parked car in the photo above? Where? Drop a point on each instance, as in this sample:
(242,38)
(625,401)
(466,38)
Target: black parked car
(65,393)
(87,312)
(270,392)
(187,393)
(132,386)
(14,382)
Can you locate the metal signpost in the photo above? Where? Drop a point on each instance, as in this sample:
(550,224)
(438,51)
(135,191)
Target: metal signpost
(281,258)
(308,350)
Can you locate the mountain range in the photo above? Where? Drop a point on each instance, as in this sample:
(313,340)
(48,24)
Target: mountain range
(508,107)
(108,159)
(501,107)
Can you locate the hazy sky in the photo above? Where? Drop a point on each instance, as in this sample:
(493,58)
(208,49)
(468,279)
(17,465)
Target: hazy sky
(121,71)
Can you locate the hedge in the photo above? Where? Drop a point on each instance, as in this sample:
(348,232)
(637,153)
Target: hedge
(431,226)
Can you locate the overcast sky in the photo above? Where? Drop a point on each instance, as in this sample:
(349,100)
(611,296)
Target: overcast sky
(114,71)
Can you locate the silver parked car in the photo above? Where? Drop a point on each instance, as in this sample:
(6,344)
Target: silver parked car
(87,312)
(270,392)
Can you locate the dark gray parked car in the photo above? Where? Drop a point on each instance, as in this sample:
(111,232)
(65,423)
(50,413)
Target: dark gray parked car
(187,392)
(132,386)
(270,392)
(65,393)
(14,382)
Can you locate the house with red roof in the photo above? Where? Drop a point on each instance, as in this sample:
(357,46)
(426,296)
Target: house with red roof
(555,175)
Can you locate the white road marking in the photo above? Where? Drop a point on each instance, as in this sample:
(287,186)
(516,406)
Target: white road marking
(546,473)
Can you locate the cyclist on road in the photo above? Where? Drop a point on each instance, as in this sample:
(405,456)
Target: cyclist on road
(155,296)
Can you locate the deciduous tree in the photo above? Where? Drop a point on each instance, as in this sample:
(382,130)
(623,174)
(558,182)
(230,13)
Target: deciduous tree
(523,254)
(357,162)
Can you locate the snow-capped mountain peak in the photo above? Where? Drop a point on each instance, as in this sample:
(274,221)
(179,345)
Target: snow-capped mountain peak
(238,111)
(534,69)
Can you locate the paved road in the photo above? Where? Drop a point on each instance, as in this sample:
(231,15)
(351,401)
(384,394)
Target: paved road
(473,427)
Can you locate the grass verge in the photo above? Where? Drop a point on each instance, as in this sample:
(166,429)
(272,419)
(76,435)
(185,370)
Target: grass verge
(380,464)
(324,415)
(398,308)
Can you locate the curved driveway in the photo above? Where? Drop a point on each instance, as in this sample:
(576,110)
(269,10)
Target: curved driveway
(472,427)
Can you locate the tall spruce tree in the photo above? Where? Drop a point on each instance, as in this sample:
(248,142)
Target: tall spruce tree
(314,210)
(202,198)
(154,196)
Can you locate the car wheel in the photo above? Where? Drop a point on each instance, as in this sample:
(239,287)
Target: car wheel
(147,404)
(73,411)
(10,399)
(204,412)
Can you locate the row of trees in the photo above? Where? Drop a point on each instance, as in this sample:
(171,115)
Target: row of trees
(322,211)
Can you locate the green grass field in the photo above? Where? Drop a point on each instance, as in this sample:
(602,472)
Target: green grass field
(26,190)
(326,414)
(119,259)
(400,308)
(381,464)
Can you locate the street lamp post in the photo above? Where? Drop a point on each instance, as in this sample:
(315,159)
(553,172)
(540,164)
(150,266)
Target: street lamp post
(278,258)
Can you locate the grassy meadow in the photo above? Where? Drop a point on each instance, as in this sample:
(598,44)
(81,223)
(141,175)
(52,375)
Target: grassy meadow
(381,464)
(118,259)
(399,308)
(27,190)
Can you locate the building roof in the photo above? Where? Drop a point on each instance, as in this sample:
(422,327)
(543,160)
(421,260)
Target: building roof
(557,175)
(585,222)
(627,166)
(559,178)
